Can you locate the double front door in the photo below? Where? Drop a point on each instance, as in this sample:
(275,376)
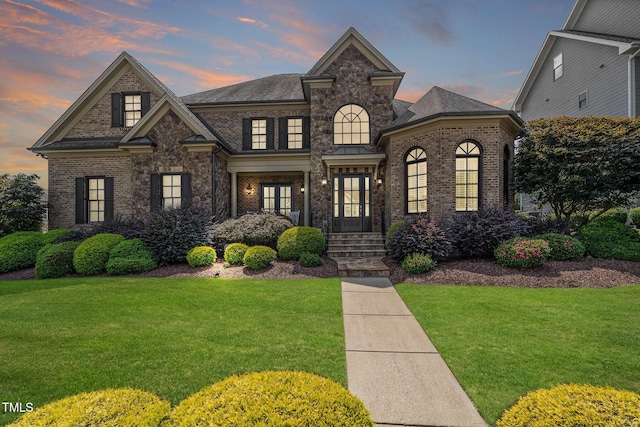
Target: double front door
(351,202)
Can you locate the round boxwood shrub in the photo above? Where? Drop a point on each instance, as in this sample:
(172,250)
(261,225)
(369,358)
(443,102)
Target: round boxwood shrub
(261,229)
(130,257)
(310,260)
(297,240)
(92,255)
(522,252)
(258,257)
(272,399)
(563,247)
(417,263)
(19,250)
(105,408)
(53,235)
(634,215)
(610,239)
(234,253)
(55,260)
(570,405)
(201,256)
(615,214)
(395,227)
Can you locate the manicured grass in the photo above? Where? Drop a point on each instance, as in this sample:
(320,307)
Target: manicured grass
(171,337)
(503,342)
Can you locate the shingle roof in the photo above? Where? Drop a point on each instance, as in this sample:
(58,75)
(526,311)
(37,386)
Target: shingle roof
(277,88)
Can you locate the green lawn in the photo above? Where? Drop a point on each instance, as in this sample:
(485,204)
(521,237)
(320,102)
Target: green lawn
(170,337)
(503,342)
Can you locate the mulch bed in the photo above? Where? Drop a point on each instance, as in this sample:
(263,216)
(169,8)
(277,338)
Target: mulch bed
(588,273)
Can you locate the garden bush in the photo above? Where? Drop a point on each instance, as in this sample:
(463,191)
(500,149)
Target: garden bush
(609,239)
(234,253)
(201,256)
(395,227)
(616,214)
(563,247)
(92,255)
(310,260)
(296,240)
(171,233)
(258,257)
(421,235)
(106,408)
(130,257)
(52,236)
(634,214)
(260,229)
(55,260)
(570,405)
(522,252)
(478,234)
(417,263)
(19,250)
(272,399)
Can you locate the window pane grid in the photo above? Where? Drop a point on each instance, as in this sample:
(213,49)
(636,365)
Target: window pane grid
(171,191)
(416,162)
(351,125)
(467,176)
(294,130)
(95,199)
(277,198)
(132,110)
(259,134)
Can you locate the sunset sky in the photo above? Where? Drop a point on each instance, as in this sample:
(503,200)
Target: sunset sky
(52,50)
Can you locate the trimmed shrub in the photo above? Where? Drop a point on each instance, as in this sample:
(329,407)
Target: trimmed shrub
(395,227)
(634,214)
(610,239)
(106,408)
(420,235)
(201,256)
(272,399)
(478,234)
(130,257)
(570,405)
(296,240)
(20,250)
(417,264)
(258,257)
(615,214)
(171,233)
(234,253)
(92,255)
(260,229)
(310,260)
(521,252)
(55,260)
(563,247)
(52,236)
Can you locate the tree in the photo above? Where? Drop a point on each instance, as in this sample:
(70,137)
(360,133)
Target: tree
(579,164)
(21,205)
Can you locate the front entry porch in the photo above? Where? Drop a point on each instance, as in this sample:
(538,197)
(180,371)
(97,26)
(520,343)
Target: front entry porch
(352,203)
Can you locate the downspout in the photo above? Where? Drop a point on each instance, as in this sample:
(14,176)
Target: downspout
(213,182)
(631,96)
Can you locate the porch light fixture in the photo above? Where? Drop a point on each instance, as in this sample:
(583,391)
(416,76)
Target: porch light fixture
(380,179)
(324,180)
(302,188)
(249,189)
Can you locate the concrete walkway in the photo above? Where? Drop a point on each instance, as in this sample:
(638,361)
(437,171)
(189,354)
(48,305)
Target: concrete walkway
(393,366)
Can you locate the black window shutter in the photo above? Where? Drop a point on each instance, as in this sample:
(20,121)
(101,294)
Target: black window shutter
(156,201)
(246,134)
(116,110)
(306,132)
(185,190)
(270,133)
(108,199)
(80,201)
(283,133)
(145,103)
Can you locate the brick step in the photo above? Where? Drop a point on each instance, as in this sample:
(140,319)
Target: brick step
(356,253)
(355,245)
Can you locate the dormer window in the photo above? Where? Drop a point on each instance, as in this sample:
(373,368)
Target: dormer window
(128,108)
(132,110)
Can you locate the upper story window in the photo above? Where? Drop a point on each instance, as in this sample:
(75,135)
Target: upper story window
(294,133)
(558,69)
(351,125)
(128,108)
(416,166)
(468,157)
(259,134)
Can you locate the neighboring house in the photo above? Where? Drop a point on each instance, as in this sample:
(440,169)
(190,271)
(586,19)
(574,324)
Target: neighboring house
(591,67)
(333,145)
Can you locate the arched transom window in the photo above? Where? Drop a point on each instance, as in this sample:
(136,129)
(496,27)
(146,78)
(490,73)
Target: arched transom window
(351,125)
(468,156)
(416,166)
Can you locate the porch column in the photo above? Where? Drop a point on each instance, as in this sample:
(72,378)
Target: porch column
(234,195)
(307,191)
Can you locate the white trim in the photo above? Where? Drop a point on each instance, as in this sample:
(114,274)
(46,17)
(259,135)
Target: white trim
(623,47)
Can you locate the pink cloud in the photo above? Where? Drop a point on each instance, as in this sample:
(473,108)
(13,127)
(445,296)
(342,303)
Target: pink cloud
(253,21)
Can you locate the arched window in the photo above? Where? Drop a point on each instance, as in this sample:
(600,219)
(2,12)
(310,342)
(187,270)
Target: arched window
(351,125)
(416,167)
(468,162)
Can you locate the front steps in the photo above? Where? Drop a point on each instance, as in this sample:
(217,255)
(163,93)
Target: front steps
(358,254)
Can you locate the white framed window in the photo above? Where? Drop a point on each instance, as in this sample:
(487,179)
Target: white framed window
(259,134)
(171,191)
(132,109)
(416,168)
(95,199)
(583,100)
(558,67)
(351,125)
(294,133)
(468,161)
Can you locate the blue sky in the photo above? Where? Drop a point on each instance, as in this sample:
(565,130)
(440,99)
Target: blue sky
(52,50)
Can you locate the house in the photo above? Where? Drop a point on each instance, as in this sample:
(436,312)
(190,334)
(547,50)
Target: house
(588,68)
(333,145)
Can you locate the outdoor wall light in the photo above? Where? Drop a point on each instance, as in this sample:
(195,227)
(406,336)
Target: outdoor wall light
(302,188)
(380,179)
(249,189)
(324,180)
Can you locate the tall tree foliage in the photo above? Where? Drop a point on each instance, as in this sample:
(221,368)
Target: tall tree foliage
(21,205)
(580,164)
